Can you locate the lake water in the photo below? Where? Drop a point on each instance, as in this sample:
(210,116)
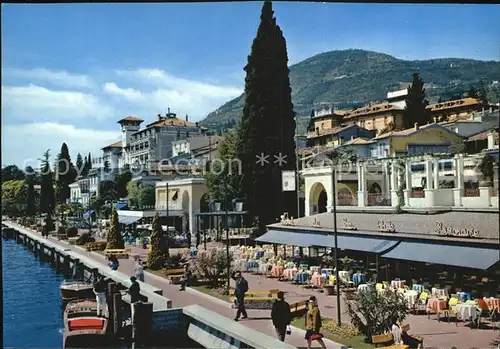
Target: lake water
(32,306)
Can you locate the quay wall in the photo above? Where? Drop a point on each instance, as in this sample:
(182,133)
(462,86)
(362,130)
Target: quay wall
(199,324)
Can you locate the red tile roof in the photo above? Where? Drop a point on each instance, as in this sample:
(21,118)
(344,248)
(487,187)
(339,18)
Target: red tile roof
(130,118)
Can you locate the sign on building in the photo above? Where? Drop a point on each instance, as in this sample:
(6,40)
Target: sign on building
(288,180)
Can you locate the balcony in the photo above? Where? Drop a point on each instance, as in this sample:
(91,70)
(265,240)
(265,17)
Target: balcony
(346,200)
(471,192)
(417,194)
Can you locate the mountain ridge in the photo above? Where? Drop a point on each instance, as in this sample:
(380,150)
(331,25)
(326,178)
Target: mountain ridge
(354,77)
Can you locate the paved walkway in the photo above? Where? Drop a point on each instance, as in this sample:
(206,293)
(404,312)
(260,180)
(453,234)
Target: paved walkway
(258,320)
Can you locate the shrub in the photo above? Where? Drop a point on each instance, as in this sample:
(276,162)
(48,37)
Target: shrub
(212,266)
(175,260)
(345,331)
(85,238)
(157,256)
(372,312)
(71,232)
(114,237)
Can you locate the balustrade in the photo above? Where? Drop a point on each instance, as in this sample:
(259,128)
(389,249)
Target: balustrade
(471,192)
(378,199)
(417,193)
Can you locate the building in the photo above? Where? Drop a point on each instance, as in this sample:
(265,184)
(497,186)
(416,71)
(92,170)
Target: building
(146,147)
(426,139)
(337,135)
(376,117)
(398,98)
(80,192)
(483,142)
(361,147)
(456,109)
(187,145)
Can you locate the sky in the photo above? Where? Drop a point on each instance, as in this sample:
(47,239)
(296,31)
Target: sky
(71,71)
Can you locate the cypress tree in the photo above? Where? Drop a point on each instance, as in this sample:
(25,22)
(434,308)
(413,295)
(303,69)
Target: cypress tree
(483,93)
(31,196)
(472,93)
(79,163)
(114,237)
(89,158)
(157,256)
(47,196)
(415,111)
(268,124)
(64,174)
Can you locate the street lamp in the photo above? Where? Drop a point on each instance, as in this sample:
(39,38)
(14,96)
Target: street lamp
(227,237)
(335,234)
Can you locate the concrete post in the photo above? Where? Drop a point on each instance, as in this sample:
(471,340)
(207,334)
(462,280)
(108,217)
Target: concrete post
(458,191)
(110,301)
(362,195)
(142,323)
(117,314)
(436,174)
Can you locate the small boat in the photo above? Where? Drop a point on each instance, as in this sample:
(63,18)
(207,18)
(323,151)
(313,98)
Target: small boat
(76,290)
(82,327)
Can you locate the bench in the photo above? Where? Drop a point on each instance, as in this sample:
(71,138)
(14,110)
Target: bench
(381,339)
(259,293)
(72,240)
(298,309)
(120,253)
(96,246)
(174,274)
(256,302)
(406,328)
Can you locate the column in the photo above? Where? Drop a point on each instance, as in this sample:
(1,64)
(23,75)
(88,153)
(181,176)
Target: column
(362,195)
(409,183)
(394,184)
(428,190)
(307,204)
(459,181)
(436,174)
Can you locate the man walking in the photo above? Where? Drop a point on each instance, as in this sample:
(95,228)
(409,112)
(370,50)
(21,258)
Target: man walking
(139,270)
(241,287)
(100,293)
(134,290)
(281,316)
(185,277)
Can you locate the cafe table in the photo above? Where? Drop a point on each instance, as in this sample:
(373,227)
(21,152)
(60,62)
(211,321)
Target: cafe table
(358,278)
(302,277)
(318,279)
(290,273)
(439,292)
(493,303)
(411,297)
(467,312)
(436,306)
(418,287)
(277,270)
(363,287)
(263,268)
(327,272)
(397,284)
(345,276)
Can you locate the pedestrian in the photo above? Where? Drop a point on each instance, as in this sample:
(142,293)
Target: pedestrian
(188,237)
(185,277)
(313,324)
(134,290)
(241,287)
(139,270)
(281,316)
(198,239)
(100,293)
(113,262)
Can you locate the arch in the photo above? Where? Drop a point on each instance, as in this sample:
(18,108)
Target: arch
(345,197)
(375,188)
(185,201)
(205,203)
(318,198)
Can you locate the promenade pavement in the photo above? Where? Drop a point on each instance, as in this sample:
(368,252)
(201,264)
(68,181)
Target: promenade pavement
(258,320)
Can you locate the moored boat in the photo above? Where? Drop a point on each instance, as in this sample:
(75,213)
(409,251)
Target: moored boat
(82,327)
(76,290)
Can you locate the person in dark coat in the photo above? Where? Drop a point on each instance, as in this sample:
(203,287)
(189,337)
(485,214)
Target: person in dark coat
(188,237)
(241,287)
(185,277)
(198,239)
(134,290)
(281,316)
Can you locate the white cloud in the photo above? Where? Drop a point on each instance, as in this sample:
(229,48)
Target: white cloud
(24,144)
(34,102)
(181,95)
(59,78)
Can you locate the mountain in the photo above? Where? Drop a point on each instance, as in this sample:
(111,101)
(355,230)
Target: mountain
(351,78)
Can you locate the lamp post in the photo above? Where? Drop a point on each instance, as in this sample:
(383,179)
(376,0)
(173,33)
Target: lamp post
(335,234)
(227,237)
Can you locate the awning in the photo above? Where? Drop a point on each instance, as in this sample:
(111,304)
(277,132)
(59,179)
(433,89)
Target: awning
(459,256)
(127,219)
(120,205)
(88,213)
(311,238)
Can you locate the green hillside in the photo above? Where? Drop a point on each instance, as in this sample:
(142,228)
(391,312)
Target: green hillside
(354,77)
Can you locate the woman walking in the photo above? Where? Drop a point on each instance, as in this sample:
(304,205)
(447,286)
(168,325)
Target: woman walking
(313,324)
(139,270)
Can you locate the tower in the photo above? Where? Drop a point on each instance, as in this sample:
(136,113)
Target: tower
(129,126)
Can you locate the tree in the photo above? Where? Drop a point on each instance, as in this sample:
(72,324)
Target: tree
(47,195)
(212,266)
(14,197)
(157,256)
(79,164)
(267,126)
(141,195)
(31,199)
(483,93)
(415,110)
(65,174)
(114,237)
(12,172)
(121,181)
(89,163)
(372,312)
(486,166)
(472,93)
